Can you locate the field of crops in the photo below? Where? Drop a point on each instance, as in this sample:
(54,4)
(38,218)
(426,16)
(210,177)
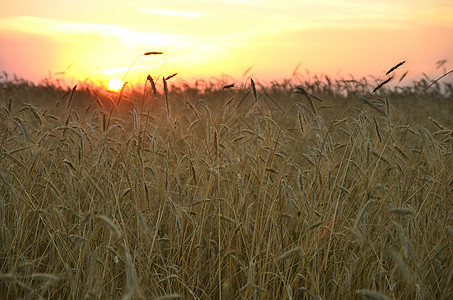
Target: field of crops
(299,189)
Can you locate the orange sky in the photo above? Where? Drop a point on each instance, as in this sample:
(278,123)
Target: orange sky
(98,39)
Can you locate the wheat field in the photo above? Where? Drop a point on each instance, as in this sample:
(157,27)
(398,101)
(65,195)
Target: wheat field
(299,189)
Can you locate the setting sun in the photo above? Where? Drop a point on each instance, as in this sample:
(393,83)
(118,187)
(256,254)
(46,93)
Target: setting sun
(115,84)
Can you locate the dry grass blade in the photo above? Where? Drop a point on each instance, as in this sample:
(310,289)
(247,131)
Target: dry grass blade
(403,76)
(371,295)
(110,224)
(167,100)
(387,105)
(71,96)
(92,270)
(192,108)
(440,63)
(404,269)
(130,275)
(300,181)
(140,217)
(373,105)
(368,151)
(376,127)
(8,277)
(252,83)
(441,249)
(401,152)
(120,95)
(362,212)
(205,105)
(228,86)
(296,69)
(440,126)
(193,124)
(429,156)
(215,143)
(242,99)
(272,170)
(317,98)
(312,116)
(21,124)
(34,112)
(430,85)
(69,163)
(33,293)
(153,53)
(291,253)
(227,219)
(104,136)
(338,122)
(153,85)
(125,192)
(171,76)
(289,291)
(404,242)
(299,117)
(169,297)
(382,84)
(311,294)
(167,278)
(246,71)
(301,90)
(241,189)
(402,211)
(9,186)
(395,67)
(44,277)
(227,291)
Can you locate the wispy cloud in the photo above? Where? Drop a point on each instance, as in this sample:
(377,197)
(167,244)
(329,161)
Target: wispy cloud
(174,13)
(45,26)
(90,42)
(52,27)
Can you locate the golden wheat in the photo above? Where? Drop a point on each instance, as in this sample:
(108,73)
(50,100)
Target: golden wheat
(312,197)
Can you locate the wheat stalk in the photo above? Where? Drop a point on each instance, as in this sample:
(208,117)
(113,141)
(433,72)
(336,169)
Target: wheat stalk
(371,295)
(71,96)
(242,99)
(395,67)
(290,253)
(110,224)
(167,96)
(252,83)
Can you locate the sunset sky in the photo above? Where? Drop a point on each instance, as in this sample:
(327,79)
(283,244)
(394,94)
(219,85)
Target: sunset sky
(98,39)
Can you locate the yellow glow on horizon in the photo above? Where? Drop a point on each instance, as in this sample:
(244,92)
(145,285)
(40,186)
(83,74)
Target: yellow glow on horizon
(115,84)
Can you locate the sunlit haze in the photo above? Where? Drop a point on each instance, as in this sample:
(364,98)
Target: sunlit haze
(97,40)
